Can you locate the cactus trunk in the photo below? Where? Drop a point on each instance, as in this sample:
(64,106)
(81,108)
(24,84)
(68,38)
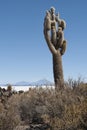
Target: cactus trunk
(58,71)
(54,36)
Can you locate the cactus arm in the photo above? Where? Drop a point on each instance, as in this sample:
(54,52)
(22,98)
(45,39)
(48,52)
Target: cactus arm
(49,43)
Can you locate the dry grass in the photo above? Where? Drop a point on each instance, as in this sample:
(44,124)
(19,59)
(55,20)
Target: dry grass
(64,110)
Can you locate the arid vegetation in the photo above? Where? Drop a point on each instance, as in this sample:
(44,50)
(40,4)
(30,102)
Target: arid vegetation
(43,108)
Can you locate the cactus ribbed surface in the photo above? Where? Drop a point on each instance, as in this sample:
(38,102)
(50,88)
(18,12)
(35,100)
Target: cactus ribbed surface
(54,36)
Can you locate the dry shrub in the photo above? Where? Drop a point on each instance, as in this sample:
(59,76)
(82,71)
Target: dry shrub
(32,105)
(72,111)
(62,110)
(9,117)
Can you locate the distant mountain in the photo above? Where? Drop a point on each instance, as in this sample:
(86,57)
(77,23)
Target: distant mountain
(42,82)
(37,83)
(22,83)
(2,84)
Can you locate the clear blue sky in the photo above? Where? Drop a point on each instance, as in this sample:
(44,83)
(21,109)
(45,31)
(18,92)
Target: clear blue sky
(24,54)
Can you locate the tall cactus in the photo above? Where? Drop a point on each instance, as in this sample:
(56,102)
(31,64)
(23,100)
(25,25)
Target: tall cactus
(54,36)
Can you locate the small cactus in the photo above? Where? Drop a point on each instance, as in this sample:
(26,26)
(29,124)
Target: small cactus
(9,88)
